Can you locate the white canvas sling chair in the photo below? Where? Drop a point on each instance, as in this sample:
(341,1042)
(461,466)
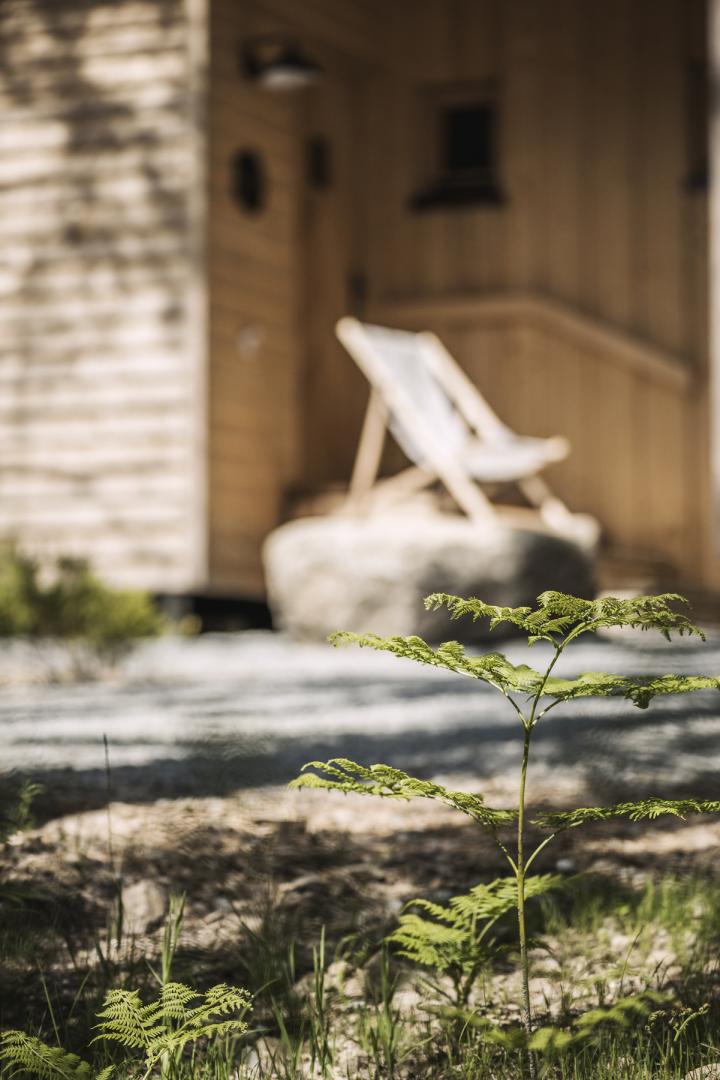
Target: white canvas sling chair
(446,428)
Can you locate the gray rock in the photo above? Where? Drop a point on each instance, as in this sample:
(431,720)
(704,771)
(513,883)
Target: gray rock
(144,905)
(372,573)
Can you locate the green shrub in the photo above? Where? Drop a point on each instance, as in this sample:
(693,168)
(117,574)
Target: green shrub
(18,594)
(74,605)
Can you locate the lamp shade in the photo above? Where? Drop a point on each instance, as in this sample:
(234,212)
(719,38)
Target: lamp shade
(285,68)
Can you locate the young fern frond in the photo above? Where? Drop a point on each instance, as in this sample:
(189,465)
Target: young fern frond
(637,689)
(649,809)
(493,900)
(173,1001)
(520,679)
(476,609)
(493,668)
(26,1054)
(340,774)
(124,1019)
(159,1030)
(166,1026)
(428,942)
(558,614)
(455,936)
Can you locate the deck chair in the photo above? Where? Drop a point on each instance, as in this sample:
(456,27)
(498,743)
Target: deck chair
(447,430)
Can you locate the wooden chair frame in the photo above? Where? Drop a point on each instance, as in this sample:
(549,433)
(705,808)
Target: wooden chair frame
(387,396)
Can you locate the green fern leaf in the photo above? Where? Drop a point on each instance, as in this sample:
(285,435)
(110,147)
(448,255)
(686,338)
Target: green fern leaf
(341,774)
(624,1013)
(493,668)
(496,670)
(27,1054)
(124,1019)
(493,900)
(640,691)
(165,1026)
(636,811)
(560,613)
(429,943)
(455,937)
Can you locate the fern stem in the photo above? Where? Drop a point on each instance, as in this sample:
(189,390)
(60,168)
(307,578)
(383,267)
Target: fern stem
(524,966)
(504,850)
(521,864)
(539,848)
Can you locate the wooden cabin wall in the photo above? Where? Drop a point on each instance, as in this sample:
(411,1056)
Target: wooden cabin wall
(271,295)
(597,217)
(99,424)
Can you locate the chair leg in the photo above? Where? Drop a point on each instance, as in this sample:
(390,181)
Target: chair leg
(553,511)
(370,448)
(395,488)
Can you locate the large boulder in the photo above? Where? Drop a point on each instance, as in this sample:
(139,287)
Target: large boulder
(353,573)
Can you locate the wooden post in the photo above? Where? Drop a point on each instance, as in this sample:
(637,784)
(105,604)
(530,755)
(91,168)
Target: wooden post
(713,47)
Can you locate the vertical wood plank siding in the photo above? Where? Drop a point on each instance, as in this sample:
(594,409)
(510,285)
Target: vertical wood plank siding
(98,394)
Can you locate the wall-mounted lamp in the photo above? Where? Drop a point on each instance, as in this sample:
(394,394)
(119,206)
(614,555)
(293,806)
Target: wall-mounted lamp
(276,62)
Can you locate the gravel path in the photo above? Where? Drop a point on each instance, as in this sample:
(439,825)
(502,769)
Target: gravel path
(226,712)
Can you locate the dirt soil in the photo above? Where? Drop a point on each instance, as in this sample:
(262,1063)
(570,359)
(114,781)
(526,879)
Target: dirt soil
(271,862)
(200,759)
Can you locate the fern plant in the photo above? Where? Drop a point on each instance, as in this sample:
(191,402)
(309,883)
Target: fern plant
(454,939)
(558,620)
(155,1034)
(29,1056)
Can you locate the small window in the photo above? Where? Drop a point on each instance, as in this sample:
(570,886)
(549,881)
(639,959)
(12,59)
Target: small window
(468,140)
(460,159)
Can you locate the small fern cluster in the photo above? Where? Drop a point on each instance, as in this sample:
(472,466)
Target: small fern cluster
(550,1041)
(30,1056)
(455,938)
(558,620)
(160,1030)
